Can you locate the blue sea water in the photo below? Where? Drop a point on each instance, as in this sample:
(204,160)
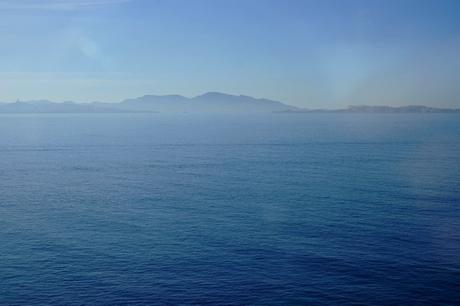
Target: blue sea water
(282,209)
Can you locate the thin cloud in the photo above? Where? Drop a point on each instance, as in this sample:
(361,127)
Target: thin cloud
(55,4)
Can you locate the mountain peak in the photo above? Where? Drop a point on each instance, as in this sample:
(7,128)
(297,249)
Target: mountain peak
(214,94)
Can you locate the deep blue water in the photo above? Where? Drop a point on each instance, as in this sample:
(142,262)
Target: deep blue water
(106,209)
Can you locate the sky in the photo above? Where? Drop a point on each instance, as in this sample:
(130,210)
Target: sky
(314,54)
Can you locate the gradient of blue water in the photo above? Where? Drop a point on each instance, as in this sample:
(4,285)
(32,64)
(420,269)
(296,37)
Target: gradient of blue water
(193,209)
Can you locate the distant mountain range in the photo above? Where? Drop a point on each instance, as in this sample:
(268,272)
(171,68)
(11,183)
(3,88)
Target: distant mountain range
(211,102)
(208,102)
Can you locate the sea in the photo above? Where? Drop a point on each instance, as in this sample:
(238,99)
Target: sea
(221,209)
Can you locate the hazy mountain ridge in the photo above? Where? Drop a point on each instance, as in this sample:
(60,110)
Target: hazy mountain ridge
(211,102)
(45,106)
(208,102)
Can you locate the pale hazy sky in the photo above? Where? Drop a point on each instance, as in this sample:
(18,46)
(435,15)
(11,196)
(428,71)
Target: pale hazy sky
(307,53)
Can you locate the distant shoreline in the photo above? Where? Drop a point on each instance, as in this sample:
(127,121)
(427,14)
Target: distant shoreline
(235,113)
(211,102)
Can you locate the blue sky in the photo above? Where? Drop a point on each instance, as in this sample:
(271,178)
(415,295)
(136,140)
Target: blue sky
(308,53)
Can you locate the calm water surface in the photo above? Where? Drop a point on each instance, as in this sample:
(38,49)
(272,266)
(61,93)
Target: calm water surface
(107,209)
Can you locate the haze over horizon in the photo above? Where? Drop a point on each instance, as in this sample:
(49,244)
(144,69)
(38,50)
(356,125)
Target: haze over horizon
(312,54)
